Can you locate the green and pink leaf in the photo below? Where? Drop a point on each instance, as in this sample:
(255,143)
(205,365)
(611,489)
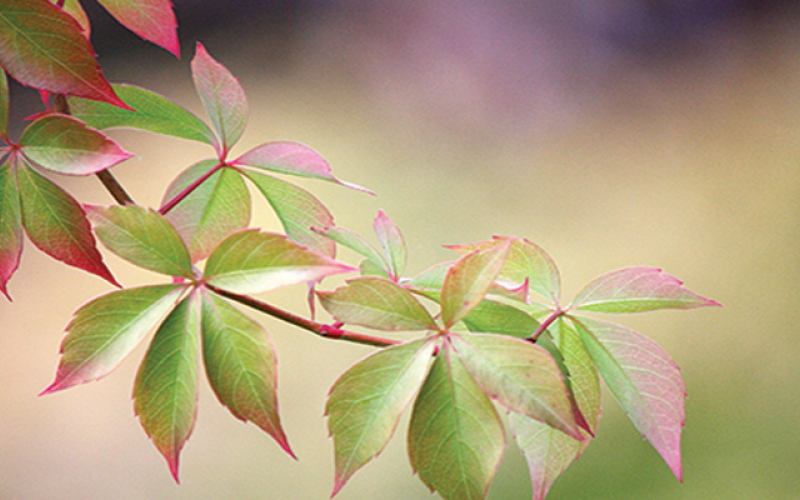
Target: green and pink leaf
(66,145)
(42,46)
(242,366)
(251,262)
(637,289)
(377,303)
(10,225)
(105,330)
(152,20)
(367,401)
(392,243)
(645,381)
(57,224)
(165,392)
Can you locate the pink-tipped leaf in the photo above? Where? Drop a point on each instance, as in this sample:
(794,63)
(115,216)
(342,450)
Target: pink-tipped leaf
(356,243)
(57,224)
(165,392)
(242,366)
(66,145)
(251,262)
(10,226)
(645,381)
(637,289)
(377,303)
(143,237)
(366,402)
(455,438)
(522,377)
(469,280)
(105,330)
(287,157)
(74,9)
(392,243)
(152,20)
(43,47)
(222,96)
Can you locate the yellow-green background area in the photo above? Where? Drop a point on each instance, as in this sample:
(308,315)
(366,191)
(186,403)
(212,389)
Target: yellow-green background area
(607,150)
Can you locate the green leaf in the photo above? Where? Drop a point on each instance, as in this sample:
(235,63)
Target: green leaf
(107,329)
(366,402)
(222,96)
(455,438)
(65,145)
(496,317)
(392,243)
(152,20)
(549,452)
(293,158)
(356,243)
(525,263)
(215,209)
(142,237)
(637,289)
(521,376)
(44,47)
(298,210)
(10,226)
(645,381)
(3,104)
(150,112)
(377,303)
(468,281)
(251,262)
(241,366)
(165,393)
(367,268)
(57,225)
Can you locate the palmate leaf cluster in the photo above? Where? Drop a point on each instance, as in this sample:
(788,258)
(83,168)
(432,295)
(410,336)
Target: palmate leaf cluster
(481,349)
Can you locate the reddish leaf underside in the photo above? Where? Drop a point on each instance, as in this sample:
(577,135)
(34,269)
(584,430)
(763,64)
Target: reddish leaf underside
(57,224)
(165,392)
(10,226)
(43,47)
(65,145)
(105,330)
(242,366)
(152,20)
(645,381)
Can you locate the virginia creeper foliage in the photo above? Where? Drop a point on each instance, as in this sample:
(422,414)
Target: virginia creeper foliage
(486,342)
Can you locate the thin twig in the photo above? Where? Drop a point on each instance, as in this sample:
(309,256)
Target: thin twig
(321,329)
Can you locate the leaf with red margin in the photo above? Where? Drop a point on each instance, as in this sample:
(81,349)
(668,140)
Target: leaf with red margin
(74,9)
(455,438)
(165,392)
(377,303)
(637,289)
(645,381)
(57,224)
(468,281)
(294,158)
(152,20)
(209,214)
(43,47)
(242,366)
(66,145)
(366,402)
(105,330)
(251,261)
(222,96)
(10,226)
(298,210)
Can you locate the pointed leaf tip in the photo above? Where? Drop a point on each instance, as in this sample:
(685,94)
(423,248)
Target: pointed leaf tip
(637,289)
(153,20)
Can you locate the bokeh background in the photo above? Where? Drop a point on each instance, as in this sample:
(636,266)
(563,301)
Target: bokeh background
(610,132)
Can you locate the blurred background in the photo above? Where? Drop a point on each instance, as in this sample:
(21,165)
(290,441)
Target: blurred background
(610,132)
